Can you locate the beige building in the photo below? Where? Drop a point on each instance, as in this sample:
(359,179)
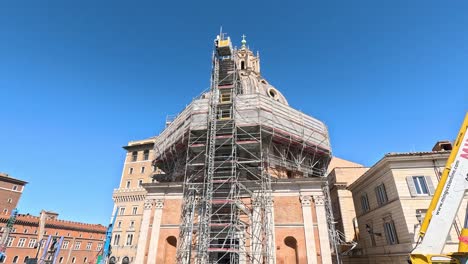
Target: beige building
(341,174)
(129,198)
(391,199)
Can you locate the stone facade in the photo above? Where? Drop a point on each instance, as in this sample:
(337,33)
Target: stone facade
(301,232)
(391,199)
(341,174)
(130,199)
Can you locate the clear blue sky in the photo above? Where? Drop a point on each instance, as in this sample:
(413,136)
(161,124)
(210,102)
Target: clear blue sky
(79,79)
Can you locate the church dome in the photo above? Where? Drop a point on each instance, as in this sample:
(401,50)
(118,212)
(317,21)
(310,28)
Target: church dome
(255,84)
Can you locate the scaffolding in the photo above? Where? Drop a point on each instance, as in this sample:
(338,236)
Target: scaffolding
(227,146)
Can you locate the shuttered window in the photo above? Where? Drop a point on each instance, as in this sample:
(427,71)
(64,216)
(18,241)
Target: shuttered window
(364,203)
(390,233)
(381,194)
(420,185)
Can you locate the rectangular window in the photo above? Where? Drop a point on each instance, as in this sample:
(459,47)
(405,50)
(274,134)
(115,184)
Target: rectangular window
(365,203)
(128,184)
(420,185)
(122,211)
(134,155)
(15,187)
(65,244)
(129,239)
(119,224)
(116,239)
(89,245)
(32,243)
(132,224)
(390,232)
(10,241)
(77,245)
(381,194)
(99,246)
(146,154)
(140,182)
(130,170)
(135,210)
(21,242)
(142,169)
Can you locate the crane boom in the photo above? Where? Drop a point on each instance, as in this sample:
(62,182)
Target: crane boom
(107,244)
(446,201)
(6,233)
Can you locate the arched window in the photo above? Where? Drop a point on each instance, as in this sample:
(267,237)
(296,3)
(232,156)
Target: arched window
(26,259)
(170,249)
(112,260)
(291,256)
(2,259)
(61,260)
(15,259)
(85,260)
(242,65)
(73,260)
(125,260)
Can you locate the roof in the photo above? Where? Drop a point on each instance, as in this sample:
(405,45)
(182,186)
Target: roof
(7,178)
(27,219)
(138,143)
(399,157)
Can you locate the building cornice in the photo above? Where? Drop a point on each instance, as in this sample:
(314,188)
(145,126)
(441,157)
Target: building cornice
(398,157)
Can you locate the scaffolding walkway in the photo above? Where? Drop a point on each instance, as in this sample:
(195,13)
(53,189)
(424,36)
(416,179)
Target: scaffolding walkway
(226,215)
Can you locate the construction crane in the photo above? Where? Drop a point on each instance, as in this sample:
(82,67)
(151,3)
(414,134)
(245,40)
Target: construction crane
(6,233)
(444,207)
(106,250)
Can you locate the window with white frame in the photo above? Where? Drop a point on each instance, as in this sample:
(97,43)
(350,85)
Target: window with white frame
(99,246)
(365,203)
(129,239)
(130,170)
(10,200)
(32,243)
(134,155)
(116,239)
(122,211)
(65,244)
(119,224)
(15,187)
(128,184)
(89,245)
(73,260)
(21,242)
(420,185)
(390,232)
(135,210)
(146,155)
(142,170)
(10,241)
(381,194)
(61,260)
(132,224)
(77,245)
(140,182)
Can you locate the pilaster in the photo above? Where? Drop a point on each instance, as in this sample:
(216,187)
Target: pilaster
(153,249)
(306,202)
(323,229)
(143,237)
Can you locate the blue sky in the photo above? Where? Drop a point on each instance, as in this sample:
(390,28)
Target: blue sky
(79,79)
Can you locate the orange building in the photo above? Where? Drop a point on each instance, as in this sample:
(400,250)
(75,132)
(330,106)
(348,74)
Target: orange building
(81,243)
